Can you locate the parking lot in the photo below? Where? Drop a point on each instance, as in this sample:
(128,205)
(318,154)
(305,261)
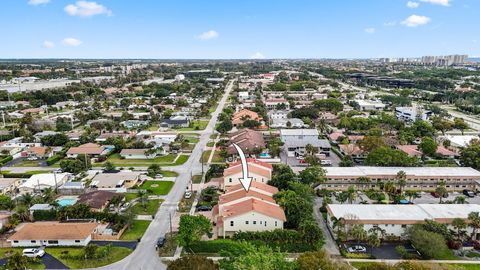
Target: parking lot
(295,162)
(386,251)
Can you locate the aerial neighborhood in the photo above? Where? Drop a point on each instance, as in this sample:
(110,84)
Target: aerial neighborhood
(110,160)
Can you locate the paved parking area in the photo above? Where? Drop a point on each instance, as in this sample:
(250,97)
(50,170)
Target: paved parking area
(426,198)
(387,251)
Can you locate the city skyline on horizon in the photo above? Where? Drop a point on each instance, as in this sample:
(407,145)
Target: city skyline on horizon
(228,30)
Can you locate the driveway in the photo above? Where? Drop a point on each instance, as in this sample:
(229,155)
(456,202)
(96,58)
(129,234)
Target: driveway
(387,251)
(330,244)
(126,244)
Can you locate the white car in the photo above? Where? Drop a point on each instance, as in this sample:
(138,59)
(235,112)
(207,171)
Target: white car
(32,158)
(188,195)
(357,249)
(33,252)
(325,162)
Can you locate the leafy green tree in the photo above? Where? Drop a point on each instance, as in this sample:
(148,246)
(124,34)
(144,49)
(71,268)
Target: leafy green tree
(16,262)
(429,244)
(312,175)
(225,126)
(428,146)
(459,225)
(346,162)
(72,165)
(6,203)
(153,170)
(441,124)
(330,104)
(251,257)
(370,143)
(386,156)
(281,176)
(460,124)
(193,262)
(441,191)
(423,128)
(474,223)
(315,260)
(470,155)
(192,228)
(109,166)
(90,250)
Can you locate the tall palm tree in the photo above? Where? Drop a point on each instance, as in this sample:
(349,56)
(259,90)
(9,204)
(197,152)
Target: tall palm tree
(459,225)
(460,200)
(358,233)
(373,241)
(351,194)
(26,199)
(363,181)
(474,222)
(401,180)
(143,198)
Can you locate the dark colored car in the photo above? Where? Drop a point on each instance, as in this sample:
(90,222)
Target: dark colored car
(160,242)
(204,208)
(468,193)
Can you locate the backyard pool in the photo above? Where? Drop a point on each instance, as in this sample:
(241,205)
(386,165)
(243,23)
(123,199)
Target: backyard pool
(66,201)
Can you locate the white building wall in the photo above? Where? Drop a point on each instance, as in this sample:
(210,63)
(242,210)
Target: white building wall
(233,179)
(37,243)
(256,223)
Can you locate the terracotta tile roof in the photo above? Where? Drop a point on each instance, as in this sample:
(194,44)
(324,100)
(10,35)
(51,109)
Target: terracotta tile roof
(245,113)
(255,205)
(411,150)
(247,139)
(351,149)
(88,148)
(257,185)
(255,161)
(54,231)
(233,196)
(38,150)
(441,150)
(96,199)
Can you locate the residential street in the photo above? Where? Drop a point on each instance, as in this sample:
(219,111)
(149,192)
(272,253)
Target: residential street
(145,257)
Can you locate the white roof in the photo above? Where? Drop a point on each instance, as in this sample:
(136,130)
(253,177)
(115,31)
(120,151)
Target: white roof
(410,171)
(364,102)
(410,212)
(461,140)
(298,132)
(45,179)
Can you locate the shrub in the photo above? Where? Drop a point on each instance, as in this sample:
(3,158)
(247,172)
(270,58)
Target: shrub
(215,246)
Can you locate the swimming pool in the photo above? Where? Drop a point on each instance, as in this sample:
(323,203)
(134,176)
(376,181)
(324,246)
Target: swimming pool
(66,201)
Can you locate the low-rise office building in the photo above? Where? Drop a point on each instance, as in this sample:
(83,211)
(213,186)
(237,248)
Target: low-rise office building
(418,178)
(395,218)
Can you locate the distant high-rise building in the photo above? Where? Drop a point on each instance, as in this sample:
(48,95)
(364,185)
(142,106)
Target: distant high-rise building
(447,60)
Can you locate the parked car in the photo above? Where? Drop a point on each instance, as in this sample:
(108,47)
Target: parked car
(188,195)
(32,158)
(159,176)
(468,193)
(33,252)
(160,242)
(325,162)
(204,208)
(357,249)
(58,171)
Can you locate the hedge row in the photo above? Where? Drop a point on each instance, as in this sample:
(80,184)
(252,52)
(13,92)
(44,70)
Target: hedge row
(5,160)
(57,157)
(215,246)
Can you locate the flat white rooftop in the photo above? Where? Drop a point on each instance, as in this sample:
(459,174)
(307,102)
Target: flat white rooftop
(299,132)
(395,212)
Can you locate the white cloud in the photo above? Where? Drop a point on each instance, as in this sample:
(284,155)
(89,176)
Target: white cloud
(444,3)
(86,9)
(48,44)
(416,20)
(208,35)
(71,42)
(412,4)
(370,30)
(392,23)
(258,55)
(38,2)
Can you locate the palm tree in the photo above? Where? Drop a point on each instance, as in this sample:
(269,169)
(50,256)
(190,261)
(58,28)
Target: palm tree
(357,233)
(22,213)
(441,191)
(411,195)
(363,181)
(351,194)
(459,225)
(48,195)
(474,222)
(401,180)
(460,200)
(143,198)
(373,241)
(310,149)
(26,199)
(16,262)
(378,231)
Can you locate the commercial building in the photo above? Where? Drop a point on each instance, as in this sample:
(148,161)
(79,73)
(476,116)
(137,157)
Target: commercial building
(369,105)
(418,178)
(395,218)
(412,114)
(296,140)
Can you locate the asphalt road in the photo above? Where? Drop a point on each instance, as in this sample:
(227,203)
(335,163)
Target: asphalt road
(145,257)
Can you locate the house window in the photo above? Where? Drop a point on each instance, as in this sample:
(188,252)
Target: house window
(77,241)
(246,222)
(230,180)
(265,223)
(260,222)
(15,241)
(53,242)
(254,222)
(33,241)
(404,226)
(231,223)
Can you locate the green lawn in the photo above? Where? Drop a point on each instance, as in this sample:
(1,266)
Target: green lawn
(28,163)
(210,144)
(217,158)
(205,156)
(136,231)
(151,209)
(464,266)
(130,196)
(166,160)
(169,174)
(213,136)
(196,179)
(157,187)
(192,139)
(197,125)
(116,254)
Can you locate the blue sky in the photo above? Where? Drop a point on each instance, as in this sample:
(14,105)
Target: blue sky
(238,28)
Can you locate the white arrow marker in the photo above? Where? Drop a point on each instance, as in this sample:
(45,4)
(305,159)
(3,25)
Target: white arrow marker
(245,180)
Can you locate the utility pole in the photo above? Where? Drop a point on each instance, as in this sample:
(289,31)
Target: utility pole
(170,216)
(55,178)
(86,163)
